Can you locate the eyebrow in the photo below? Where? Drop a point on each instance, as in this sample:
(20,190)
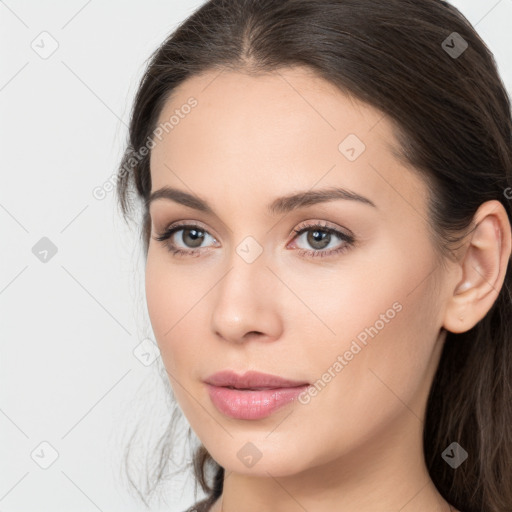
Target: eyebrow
(280,205)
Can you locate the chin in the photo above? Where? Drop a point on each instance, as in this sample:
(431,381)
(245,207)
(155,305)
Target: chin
(259,458)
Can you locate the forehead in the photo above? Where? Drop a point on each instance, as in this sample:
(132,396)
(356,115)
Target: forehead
(262,105)
(286,129)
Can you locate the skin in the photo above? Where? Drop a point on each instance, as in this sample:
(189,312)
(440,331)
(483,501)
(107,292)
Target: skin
(357,445)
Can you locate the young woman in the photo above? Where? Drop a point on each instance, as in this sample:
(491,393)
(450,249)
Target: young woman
(326,187)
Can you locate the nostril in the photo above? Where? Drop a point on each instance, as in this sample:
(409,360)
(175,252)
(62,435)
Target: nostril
(258,333)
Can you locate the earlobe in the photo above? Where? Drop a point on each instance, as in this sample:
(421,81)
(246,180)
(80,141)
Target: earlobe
(483,266)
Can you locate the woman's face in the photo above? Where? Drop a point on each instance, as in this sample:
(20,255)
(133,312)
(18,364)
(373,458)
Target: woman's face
(355,313)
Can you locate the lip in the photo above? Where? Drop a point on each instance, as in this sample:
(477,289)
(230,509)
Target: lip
(253,395)
(251,380)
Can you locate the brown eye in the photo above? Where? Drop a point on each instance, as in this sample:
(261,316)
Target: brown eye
(318,239)
(188,243)
(320,236)
(192,237)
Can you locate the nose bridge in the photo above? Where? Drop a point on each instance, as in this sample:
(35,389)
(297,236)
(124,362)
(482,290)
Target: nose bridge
(246,296)
(247,262)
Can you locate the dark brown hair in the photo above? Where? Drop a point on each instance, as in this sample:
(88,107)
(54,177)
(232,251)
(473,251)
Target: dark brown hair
(453,122)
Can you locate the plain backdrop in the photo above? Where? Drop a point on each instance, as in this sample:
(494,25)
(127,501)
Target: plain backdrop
(75,359)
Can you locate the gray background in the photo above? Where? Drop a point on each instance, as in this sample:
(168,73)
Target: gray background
(73,371)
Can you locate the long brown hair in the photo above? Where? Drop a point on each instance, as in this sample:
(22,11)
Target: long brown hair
(422,64)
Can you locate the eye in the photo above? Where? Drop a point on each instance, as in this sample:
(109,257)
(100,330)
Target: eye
(192,236)
(319,236)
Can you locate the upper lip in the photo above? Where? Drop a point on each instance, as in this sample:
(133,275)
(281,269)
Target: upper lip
(251,380)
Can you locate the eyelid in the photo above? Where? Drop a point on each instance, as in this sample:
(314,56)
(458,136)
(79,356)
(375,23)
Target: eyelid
(310,224)
(187,224)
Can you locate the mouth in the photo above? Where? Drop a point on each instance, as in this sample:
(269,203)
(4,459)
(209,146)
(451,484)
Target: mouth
(251,396)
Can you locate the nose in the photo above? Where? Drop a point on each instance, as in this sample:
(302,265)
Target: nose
(246,303)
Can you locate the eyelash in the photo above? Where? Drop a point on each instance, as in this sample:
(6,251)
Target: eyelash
(348,240)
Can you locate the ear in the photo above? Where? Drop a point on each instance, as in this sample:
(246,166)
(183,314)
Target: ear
(483,264)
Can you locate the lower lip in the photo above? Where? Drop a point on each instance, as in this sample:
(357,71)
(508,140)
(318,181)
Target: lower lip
(252,405)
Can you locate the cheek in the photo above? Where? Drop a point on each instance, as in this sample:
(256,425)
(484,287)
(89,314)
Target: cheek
(379,361)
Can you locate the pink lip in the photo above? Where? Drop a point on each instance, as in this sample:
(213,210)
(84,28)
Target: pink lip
(256,395)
